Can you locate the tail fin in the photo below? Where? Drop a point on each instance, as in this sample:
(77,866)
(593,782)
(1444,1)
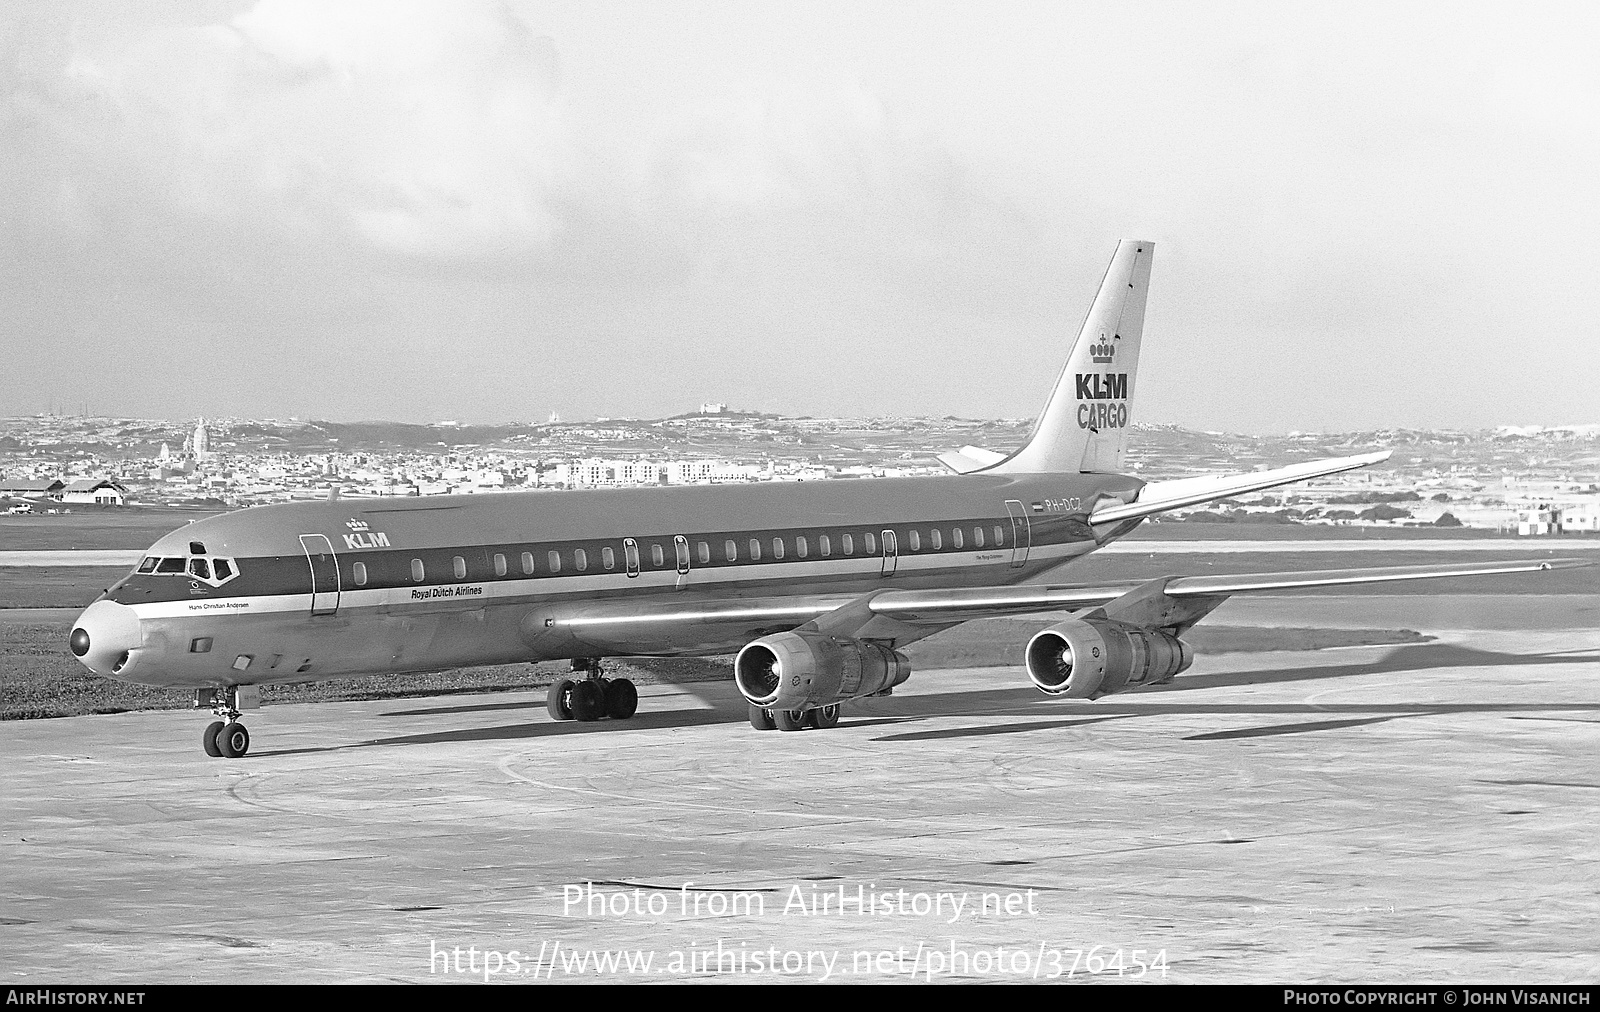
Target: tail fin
(1084,426)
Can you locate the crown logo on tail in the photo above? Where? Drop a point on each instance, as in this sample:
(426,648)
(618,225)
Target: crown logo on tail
(1105,351)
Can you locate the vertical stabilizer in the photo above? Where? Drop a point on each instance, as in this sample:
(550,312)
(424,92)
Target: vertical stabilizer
(1084,426)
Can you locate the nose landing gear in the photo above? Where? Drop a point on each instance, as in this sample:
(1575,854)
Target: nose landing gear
(590,695)
(227,738)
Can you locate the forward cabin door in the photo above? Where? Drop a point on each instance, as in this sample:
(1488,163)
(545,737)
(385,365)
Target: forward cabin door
(1021,535)
(324,574)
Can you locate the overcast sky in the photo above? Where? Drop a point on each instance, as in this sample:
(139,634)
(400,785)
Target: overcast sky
(1365,215)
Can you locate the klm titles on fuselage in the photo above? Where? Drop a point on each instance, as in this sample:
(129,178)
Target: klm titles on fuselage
(1102,400)
(363,539)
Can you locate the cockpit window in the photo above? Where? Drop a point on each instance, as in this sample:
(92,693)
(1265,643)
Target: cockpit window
(197,548)
(170,566)
(200,568)
(224,571)
(149,564)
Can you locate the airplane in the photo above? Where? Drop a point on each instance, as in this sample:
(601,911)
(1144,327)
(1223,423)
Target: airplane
(818,586)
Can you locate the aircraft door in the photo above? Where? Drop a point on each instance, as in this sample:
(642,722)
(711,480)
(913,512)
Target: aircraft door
(1021,533)
(680,545)
(891,553)
(324,574)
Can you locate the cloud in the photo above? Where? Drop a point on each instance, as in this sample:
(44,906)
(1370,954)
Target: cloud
(427,129)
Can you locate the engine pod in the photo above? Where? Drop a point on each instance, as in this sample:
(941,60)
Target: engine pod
(1089,658)
(797,671)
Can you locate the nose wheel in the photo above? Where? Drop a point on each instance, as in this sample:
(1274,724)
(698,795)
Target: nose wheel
(225,738)
(588,695)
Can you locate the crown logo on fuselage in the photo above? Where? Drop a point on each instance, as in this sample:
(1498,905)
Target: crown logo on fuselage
(356,525)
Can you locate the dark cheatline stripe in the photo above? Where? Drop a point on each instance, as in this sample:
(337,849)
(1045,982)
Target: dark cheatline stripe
(391,568)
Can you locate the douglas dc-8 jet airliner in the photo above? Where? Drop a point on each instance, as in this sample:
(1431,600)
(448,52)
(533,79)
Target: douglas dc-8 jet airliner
(817,585)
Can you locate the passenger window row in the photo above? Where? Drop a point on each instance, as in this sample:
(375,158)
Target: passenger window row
(800,546)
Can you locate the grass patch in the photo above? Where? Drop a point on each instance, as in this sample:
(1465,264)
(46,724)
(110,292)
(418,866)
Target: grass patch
(40,679)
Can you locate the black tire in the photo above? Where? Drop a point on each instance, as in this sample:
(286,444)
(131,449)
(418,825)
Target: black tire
(790,720)
(233,741)
(622,699)
(824,716)
(558,699)
(587,700)
(761,718)
(209,739)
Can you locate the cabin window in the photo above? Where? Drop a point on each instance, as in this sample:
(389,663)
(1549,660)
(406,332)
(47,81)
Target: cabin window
(200,568)
(755,549)
(658,557)
(824,546)
(704,551)
(870,540)
(149,564)
(847,544)
(417,572)
(935,541)
(999,536)
(223,569)
(630,549)
(527,563)
(580,560)
(800,547)
(956,538)
(170,566)
(359,571)
(458,565)
(777,548)
(977,537)
(914,541)
(608,559)
(554,558)
(499,564)
(731,550)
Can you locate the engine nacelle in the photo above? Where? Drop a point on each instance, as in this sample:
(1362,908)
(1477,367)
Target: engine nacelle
(797,671)
(1089,658)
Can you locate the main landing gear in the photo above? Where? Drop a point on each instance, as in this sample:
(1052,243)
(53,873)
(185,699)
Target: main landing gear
(225,738)
(763,719)
(588,695)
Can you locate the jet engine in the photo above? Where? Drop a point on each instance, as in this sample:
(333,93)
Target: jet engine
(798,671)
(1089,658)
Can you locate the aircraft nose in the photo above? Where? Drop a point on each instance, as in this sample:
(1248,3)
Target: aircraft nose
(103,636)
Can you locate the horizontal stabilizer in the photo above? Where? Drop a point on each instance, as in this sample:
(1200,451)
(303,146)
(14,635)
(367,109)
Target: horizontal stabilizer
(1160,496)
(969,459)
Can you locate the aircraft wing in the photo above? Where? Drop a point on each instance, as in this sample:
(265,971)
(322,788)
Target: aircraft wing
(903,616)
(963,604)
(1160,496)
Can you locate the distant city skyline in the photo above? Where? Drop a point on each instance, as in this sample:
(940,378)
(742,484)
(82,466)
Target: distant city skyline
(1366,215)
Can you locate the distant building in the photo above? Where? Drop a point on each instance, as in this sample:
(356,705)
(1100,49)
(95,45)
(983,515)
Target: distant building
(32,488)
(201,440)
(1581,519)
(101,491)
(1538,521)
(713,409)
